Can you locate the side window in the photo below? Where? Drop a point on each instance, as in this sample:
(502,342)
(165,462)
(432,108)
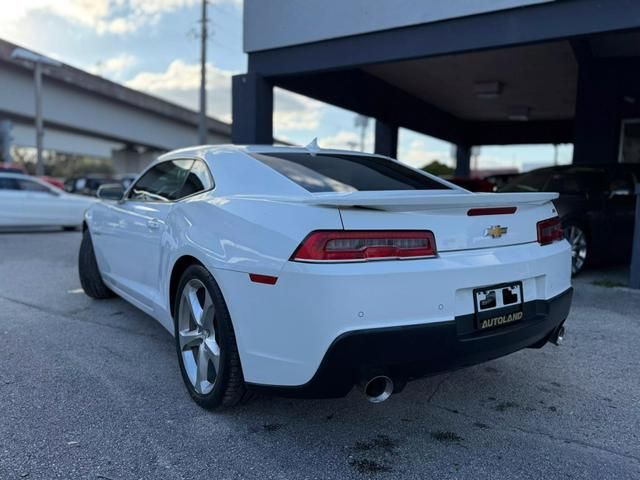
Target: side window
(163,182)
(31,186)
(198,180)
(9,184)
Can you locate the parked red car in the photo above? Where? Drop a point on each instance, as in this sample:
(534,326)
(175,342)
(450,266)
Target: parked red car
(53,181)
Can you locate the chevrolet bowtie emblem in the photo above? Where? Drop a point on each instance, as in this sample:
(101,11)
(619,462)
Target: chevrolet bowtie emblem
(495,231)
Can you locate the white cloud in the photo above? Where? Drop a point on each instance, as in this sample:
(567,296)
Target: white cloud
(114,67)
(104,16)
(180,83)
(295,112)
(417,154)
(347,140)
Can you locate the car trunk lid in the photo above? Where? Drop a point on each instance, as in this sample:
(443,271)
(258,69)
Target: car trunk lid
(459,220)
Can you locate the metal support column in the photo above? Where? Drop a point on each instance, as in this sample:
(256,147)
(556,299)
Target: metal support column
(5,141)
(386,141)
(39,123)
(252,109)
(634,279)
(463,160)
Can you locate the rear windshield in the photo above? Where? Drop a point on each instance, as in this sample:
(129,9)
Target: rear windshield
(347,173)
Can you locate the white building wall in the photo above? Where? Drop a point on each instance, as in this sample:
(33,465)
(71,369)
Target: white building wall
(278,23)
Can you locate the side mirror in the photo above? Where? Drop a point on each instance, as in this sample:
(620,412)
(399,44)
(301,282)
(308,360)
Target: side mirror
(111,191)
(620,192)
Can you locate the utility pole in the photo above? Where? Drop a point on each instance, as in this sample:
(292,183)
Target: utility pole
(5,141)
(361,122)
(39,123)
(38,61)
(202,123)
(475,156)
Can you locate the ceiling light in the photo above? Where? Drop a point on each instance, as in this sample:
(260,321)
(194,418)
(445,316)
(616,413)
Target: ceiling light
(487,89)
(520,114)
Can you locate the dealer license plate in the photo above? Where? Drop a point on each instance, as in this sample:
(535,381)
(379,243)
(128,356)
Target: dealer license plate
(498,305)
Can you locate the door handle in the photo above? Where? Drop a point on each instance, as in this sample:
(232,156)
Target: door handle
(153,224)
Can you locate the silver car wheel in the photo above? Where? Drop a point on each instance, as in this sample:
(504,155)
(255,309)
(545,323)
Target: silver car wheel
(197,336)
(578,241)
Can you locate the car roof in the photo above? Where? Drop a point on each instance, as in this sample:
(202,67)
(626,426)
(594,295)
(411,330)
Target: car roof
(229,163)
(16,175)
(31,178)
(202,150)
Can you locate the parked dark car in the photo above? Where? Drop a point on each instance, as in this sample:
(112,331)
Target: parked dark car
(499,180)
(596,205)
(87,185)
(472,184)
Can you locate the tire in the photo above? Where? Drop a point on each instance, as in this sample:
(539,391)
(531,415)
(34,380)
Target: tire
(90,277)
(577,237)
(206,342)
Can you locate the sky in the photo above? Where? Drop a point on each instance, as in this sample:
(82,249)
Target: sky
(153,46)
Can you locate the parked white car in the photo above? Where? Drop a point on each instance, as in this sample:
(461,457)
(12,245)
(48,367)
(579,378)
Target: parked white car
(27,201)
(303,271)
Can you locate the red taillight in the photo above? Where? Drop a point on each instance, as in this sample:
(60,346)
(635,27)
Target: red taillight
(358,245)
(549,231)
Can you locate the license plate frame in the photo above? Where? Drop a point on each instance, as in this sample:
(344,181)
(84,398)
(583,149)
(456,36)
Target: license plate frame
(498,305)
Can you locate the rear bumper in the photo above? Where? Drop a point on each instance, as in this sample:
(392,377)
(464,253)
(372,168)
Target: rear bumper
(409,352)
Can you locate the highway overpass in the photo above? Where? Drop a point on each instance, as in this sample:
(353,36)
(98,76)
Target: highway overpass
(87,114)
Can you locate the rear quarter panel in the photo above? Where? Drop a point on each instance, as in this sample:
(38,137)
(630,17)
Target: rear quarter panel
(239,235)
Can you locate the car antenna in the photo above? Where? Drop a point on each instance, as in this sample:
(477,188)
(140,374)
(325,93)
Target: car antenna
(313,147)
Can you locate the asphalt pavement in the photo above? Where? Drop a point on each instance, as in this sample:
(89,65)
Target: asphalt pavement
(91,390)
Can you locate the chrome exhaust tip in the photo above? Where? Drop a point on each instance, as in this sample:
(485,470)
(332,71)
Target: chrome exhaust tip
(558,338)
(378,389)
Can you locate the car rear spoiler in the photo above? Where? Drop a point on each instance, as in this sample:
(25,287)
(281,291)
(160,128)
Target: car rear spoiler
(401,200)
(409,200)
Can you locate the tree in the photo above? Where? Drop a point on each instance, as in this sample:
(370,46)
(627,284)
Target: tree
(439,169)
(62,165)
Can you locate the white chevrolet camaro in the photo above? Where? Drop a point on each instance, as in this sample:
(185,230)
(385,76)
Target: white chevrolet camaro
(304,271)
